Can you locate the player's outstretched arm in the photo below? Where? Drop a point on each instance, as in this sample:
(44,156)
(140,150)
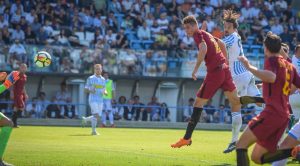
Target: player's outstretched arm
(264,75)
(200,58)
(9,81)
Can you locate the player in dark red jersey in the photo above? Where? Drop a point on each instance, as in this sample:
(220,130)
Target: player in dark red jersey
(218,75)
(19,94)
(267,128)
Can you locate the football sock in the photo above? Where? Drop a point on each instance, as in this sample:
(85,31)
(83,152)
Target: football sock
(89,118)
(111,117)
(280,163)
(103,117)
(278,155)
(4,137)
(236,125)
(193,122)
(242,157)
(251,99)
(94,123)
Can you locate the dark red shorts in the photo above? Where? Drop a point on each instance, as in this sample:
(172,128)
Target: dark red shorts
(220,78)
(268,128)
(19,101)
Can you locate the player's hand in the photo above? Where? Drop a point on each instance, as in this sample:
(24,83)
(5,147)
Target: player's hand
(245,61)
(204,26)
(93,90)
(194,75)
(105,92)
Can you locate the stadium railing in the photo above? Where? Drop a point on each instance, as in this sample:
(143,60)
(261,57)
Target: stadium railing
(6,107)
(123,62)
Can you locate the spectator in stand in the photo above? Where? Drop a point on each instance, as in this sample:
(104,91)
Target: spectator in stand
(30,37)
(187,113)
(221,115)
(63,96)
(138,109)
(188,42)
(286,37)
(210,24)
(122,110)
(137,21)
(53,109)
(164,112)
(149,20)
(3,22)
(144,32)
(42,102)
(282,4)
(155,29)
(17,52)
(23,24)
(127,23)
(161,40)
(277,28)
(36,25)
(18,34)
(112,22)
(256,27)
(30,16)
(114,6)
(209,109)
(69,110)
(121,40)
(208,9)
(32,109)
(163,22)
(126,5)
(111,38)
(153,109)
(249,114)
(16,17)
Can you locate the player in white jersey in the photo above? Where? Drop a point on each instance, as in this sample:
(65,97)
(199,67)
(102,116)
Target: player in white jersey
(243,79)
(296,58)
(95,86)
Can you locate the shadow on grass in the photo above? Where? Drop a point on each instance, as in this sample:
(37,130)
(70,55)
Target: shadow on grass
(79,135)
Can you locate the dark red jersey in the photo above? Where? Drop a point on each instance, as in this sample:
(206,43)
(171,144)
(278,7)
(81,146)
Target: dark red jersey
(20,84)
(214,56)
(276,95)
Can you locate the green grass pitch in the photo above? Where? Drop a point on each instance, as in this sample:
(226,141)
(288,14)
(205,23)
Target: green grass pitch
(71,146)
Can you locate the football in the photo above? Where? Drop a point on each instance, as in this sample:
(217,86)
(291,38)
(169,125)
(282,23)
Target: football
(42,59)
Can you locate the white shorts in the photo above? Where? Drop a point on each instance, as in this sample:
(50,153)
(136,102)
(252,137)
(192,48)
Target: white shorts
(96,108)
(295,131)
(245,85)
(107,105)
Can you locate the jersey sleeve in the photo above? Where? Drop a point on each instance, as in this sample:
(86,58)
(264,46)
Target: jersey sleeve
(88,83)
(271,65)
(296,80)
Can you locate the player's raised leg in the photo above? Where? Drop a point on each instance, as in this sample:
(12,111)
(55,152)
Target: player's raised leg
(5,131)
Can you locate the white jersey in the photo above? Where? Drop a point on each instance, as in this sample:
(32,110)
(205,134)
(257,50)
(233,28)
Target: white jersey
(296,63)
(234,50)
(97,83)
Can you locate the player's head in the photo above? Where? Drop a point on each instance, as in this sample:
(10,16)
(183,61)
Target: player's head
(23,68)
(190,25)
(285,48)
(105,74)
(297,51)
(98,69)
(272,44)
(230,21)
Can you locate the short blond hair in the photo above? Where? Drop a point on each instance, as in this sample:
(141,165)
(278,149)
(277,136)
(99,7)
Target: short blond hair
(98,64)
(189,20)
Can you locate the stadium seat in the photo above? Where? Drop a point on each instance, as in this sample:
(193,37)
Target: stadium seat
(246,48)
(256,49)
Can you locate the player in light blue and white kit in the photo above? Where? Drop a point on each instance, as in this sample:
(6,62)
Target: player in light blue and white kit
(95,86)
(243,79)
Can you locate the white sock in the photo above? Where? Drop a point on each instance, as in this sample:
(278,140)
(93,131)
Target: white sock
(111,117)
(236,125)
(103,118)
(89,118)
(94,123)
(280,162)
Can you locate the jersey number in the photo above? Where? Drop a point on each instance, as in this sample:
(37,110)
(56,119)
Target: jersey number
(287,85)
